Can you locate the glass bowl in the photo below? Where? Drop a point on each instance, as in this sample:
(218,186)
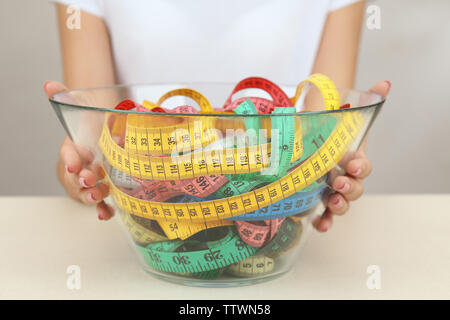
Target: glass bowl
(214,192)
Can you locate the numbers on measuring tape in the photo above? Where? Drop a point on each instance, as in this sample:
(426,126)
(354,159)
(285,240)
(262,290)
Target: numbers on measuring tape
(304,175)
(322,141)
(213,255)
(215,181)
(240,245)
(181,259)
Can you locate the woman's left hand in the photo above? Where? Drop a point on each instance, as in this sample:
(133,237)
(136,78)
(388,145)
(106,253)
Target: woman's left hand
(349,187)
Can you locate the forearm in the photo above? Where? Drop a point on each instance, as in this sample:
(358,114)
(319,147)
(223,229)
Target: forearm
(86,52)
(87,62)
(338,51)
(86,56)
(337,54)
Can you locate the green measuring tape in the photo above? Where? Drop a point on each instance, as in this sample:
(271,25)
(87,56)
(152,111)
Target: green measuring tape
(311,143)
(219,254)
(182,257)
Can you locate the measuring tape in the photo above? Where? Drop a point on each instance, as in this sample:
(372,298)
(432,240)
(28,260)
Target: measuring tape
(279,97)
(323,160)
(140,233)
(290,144)
(142,230)
(179,182)
(292,205)
(157,190)
(145,136)
(286,136)
(264,261)
(185,229)
(122,179)
(163,190)
(258,233)
(295,204)
(201,100)
(206,185)
(136,162)
(232,188)
(185,258)
(177,256)
(180,230)
(254,266)
(219,254)
(283,240)
(311,141)
(326,87)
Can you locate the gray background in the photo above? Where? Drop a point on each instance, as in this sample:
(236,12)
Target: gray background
(409,144)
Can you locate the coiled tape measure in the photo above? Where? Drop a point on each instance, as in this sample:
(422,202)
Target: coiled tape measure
(323,160)
(144,160)
(169,256)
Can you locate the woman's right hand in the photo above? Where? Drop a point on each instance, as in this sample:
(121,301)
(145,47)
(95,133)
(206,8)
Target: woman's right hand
(76,172)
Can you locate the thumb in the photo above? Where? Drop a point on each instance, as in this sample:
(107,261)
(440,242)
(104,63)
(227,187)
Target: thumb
(382,88)
(52,87)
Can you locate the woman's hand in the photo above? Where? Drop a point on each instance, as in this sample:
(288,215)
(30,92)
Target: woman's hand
(76,172)
(349,187)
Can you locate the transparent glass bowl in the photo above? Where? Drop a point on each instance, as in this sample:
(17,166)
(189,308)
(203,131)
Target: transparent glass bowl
(214,199)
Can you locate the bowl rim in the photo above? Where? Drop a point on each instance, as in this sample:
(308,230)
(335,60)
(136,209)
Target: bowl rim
(54,102)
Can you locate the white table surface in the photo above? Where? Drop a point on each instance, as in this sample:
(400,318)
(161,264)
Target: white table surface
(407,236)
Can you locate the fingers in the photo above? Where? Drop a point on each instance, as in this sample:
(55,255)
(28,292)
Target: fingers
(81,178)
(81,182)
(97,170)
(70,157)
(90,196)
(53,87)
(89,191)
(350,188)
(104,211)
(89,177)
(325,222)
(73,163)
(94,195)
(337,204)
(360,167)
(382,88)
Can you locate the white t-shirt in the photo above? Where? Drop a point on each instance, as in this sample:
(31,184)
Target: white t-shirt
(205,40)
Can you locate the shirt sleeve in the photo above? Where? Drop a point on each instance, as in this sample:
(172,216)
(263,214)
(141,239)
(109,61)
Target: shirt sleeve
(94,7)
(338,4)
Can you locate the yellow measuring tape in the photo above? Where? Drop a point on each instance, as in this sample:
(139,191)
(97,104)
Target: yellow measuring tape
(326,87)
(330,153)
(142,141)
(138,232)
(181,220)
(145,136)
(202,101)
(252,266)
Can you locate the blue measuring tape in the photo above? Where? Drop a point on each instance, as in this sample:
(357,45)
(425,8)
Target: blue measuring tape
(295,204)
